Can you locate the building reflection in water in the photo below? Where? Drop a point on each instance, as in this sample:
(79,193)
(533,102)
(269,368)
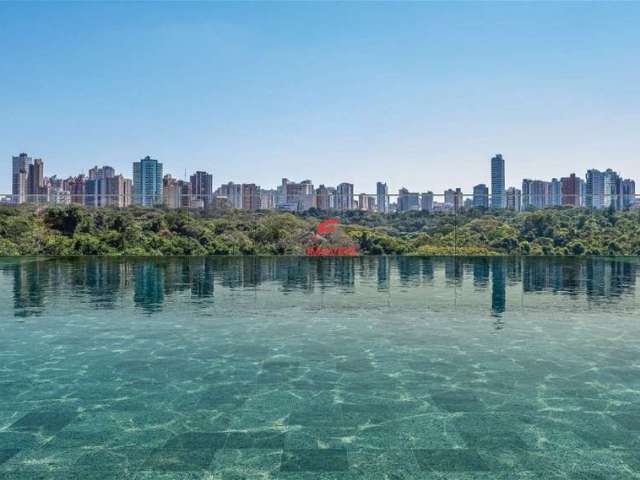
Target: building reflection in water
(104,282)
(498,286)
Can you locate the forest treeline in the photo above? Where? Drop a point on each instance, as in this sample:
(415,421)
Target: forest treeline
(74,230)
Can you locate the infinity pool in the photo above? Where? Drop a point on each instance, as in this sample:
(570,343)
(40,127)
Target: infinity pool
(331,368)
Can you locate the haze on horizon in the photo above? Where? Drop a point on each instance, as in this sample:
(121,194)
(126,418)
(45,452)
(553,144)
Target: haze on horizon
(416,94)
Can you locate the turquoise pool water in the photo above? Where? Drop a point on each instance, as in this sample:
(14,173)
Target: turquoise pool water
(288,368)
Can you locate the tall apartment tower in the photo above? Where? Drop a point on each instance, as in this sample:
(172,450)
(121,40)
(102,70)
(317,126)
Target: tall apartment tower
(426,201)
(250,196)
(147,182)
(594,196)
(323,198)
(556,195)
(35,182)
(497,182)
(344,197)
(629,193)
(19,175)
(382,197)
(571,190)
(202,186)
(514,199)
(481,196)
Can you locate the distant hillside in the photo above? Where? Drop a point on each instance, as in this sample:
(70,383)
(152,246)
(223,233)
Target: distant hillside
(74,230)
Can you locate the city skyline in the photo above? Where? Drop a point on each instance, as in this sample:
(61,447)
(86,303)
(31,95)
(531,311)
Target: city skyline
(333,91)
(150,187)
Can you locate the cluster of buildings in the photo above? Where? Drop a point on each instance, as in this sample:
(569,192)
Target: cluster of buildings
(102,187)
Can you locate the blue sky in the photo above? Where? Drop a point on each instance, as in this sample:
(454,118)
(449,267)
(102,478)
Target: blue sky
(417,94)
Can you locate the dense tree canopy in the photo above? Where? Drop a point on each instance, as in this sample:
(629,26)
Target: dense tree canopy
(73,230)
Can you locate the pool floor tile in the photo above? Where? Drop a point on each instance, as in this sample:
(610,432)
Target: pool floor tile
(451,460)
(320,460)
(47,421)
(179,460)
(7,453)
(457,401)
(197,441)
(256,440)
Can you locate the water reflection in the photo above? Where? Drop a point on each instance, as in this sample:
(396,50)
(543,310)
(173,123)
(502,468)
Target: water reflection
(104,282)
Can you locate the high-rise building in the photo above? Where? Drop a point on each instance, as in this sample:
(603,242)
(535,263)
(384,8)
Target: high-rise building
(36,191)
(19,174)
(118,191)
(382,197)
(514,199)
(268,199)
(297,197)
(570,189)
(408,201)
(250,196)
(322,198)
(458,200)
(147,182)
(594,195)
(76,187)
(202,186)
(176,193)
(612,190)
(102,189)
(497,182)
(232,192)
(480,196)
(426,202)
(535,193)
(628,193)
(453,199)
(555,188)
(344,197)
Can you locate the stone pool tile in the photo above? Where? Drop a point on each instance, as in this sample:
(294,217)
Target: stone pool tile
(168,459)
(369,411)
(597,430)
(246,463)
(515,459)
(364,414)
(317,416)
(266,439)
(157,475)
(628,421)
(354,365)
(206,420)
(37,459)
(153,437)
(68,474)
(609,462)
(46,421)
(318,437)
(226,396)
(427,432)
(280,371)
(113,459)
(383,463)
(545,434)
(489,422)
(197,441)
(318,460)
(457,401)
(451,460)
(73,438)
(7,453)
(497,440)
(21,440)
